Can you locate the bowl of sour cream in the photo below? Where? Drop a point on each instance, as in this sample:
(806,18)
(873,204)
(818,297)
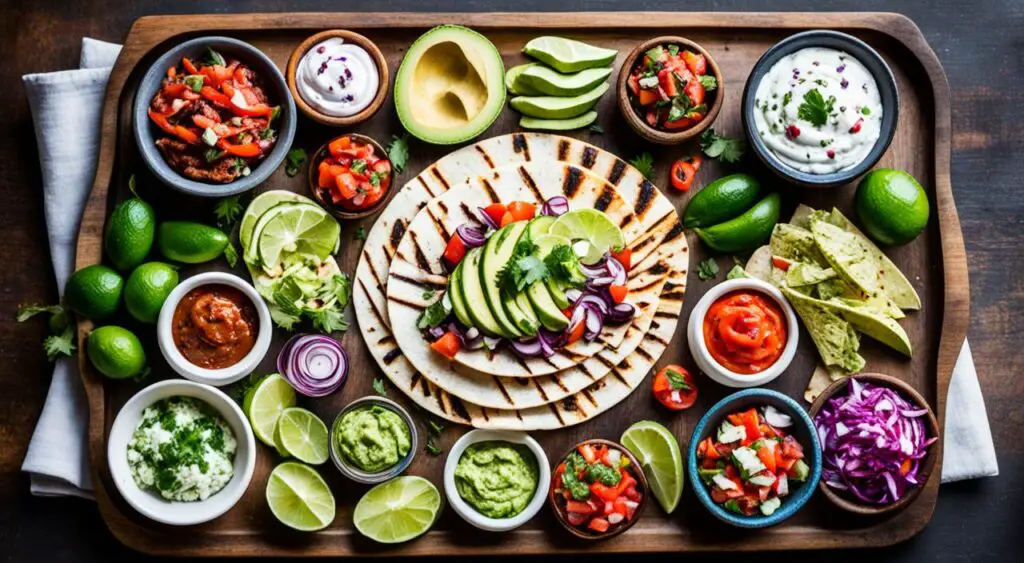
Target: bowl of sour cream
(338,77)
(820,108)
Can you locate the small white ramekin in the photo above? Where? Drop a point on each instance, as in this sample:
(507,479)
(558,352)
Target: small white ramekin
(151,504)
(699,349)
(467,512)
(187,369)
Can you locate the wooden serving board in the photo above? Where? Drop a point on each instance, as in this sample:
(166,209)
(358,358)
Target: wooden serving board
(935,263)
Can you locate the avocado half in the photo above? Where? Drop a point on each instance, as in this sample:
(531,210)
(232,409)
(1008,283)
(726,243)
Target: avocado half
(450,85)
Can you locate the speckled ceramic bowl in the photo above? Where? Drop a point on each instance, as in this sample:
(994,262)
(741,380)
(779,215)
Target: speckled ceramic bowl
(802,430)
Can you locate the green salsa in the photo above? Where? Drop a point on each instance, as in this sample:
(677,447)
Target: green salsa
(373,438)
(497,478)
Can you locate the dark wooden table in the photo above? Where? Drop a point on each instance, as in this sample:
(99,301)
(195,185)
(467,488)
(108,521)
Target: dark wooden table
(978,43)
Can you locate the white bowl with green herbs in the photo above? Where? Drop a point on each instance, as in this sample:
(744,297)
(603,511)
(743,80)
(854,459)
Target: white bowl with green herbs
(181,453)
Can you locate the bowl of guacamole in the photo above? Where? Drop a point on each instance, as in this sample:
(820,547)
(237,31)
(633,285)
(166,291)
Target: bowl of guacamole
(372,440)
(496,480)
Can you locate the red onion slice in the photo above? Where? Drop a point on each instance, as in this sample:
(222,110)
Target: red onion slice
(472,237)
(555,206)
(314,364)
(486,219)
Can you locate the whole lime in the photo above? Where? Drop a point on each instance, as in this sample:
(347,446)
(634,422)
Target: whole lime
(190,242)
(130,233)
(892,206)
(94,292)
(116,352)
(147,289)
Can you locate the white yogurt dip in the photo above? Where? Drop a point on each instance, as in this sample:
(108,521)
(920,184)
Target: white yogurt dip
(818,110)
(336,78)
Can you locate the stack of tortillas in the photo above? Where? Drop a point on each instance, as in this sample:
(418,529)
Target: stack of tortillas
(400,274)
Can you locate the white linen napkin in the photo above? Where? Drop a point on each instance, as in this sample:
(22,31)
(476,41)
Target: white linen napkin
(58,457)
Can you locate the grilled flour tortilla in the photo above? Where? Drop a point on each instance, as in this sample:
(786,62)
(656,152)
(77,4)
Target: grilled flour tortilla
(562,404)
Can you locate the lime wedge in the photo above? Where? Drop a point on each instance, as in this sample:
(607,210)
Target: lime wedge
(658,452)
(260,205)
(299,497)
(305,228)
(592,226)
(264,403)
(302,435)
(397,511)
(566,55)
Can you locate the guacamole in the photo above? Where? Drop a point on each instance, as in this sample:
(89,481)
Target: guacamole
(497,478)
(373,438)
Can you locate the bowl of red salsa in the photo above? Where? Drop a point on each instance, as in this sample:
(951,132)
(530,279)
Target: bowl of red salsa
(743,333)
(351,176)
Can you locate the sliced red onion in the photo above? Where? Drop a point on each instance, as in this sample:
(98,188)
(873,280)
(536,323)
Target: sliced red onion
(573,294)
(620,313)
(486,219)
(316,365)
(472,333)
(492,342)
(527,349)
(472,237)
(596,270)
(595,322)
(616,270)
(555,206)
(601,282)
(591,300)
(436,332)
(777,418)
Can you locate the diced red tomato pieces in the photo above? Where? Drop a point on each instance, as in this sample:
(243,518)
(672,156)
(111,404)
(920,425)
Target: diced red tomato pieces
(455,251)
(447,345)
(352,175)
(672,393)
(618,292)
(522,211)
(506,219)
(696,63)
(624,257)
(599,525)
(665,78)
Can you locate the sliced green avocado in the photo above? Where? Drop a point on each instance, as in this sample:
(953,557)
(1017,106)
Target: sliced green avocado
(514,87)
(567,55)
(551,107)
(497,252)
(455,295)
(473,295)
(521,313)
(541,296)
(450,86)
(569,124)
(553,83)
(538,227)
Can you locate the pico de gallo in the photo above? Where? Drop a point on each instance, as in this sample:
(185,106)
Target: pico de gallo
(745,331)
(352,174)
(668,87)
(750,462)
(674,388)
(596,490)
(215,118)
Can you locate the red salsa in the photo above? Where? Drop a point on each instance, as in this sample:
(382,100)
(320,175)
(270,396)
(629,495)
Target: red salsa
(668,87)
(215,326)
(352,174)
(745,332)
(596,490)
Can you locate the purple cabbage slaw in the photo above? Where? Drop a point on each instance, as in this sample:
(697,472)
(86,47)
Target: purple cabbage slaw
(868,437)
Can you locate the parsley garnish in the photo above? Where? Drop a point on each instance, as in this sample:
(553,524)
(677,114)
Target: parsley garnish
(607,475)
(212,57)
(571,481)
(212,154)
(231,254)
(522,270)
(398,152)
(228,210)
(378,386)
(677,381)
(361,233)
(708,82)
(195,82)
(26,312)
(59,345)
(722,148)
(786,98)
(293,161)
(432,316)
(707,269)
(267,133)
(429,294)
(815,108)
(375,177)
(61,341)
(595,128)
(358,165)
(644,162)
(564,265)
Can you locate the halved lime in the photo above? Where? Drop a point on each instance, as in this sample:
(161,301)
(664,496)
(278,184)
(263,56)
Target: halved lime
(592,226)
(299,497)
(398,510)
(306,228)
(302,435)
(260,205)
(264,403)
(657,450)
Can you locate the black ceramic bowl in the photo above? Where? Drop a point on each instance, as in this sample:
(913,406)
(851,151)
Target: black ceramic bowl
(273,82)
(871,60)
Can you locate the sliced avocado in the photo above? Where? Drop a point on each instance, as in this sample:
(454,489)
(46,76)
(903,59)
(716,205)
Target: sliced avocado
(520,89)
(474,297)
(521,313)
(457,298)
(496,253)
(450,85)
(567,55)
(553,83)
(539,226)
(546,297)
(569,124)
(551,107)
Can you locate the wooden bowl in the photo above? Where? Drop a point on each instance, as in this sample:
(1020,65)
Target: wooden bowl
(641,480)
(349,37)
(334,209)
(927,464)
(637,122)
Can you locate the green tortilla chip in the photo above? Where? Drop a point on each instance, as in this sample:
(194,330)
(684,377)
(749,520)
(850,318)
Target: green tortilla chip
(834,336)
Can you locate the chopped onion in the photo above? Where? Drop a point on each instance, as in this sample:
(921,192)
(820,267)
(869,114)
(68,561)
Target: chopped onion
(486,219)
(555,206)
(472,237)
(315,364)
(776,418)
(620,313)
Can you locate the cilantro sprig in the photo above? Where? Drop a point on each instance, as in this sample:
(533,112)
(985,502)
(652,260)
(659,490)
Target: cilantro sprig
(707,269)
(522,270)
(61,340)
(644,162)
(293,162)
(398,152)
(228,210)
(719,147)
(816,108)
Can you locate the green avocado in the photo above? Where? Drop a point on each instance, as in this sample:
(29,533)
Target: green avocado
(521,312)
(542,297)
(474,297)
(457,297)
(554,107)
(450,86)
(553,83)
(518,88)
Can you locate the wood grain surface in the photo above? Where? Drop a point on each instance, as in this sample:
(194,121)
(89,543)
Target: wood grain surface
(979,515)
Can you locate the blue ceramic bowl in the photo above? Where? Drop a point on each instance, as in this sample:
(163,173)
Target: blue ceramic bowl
(273,82)
(802,430)
(871,60)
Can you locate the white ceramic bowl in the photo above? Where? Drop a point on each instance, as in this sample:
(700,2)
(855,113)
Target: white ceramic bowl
(187,369)
(151,504)
(699,350)
(467,512)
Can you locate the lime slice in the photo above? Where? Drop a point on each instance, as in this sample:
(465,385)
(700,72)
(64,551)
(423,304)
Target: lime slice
(260,205)
(592,226)
(302,435)
(305,228)
(299,497)
(397,511)
(658,452)
(567,55)
(264,403)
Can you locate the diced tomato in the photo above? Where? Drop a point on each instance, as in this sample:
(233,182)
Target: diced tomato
(682,175)
(577,331)
(674,399)
(618,292)
(651,117)
(521,210)
(240,78)
(648,96)
(781,484)
(603,491)
(347,185)
(455,251)
(696,63)
(763,492)
(599,525)
(587,451)
(620,506)
(575,518)
(681,123)
(767,455)
(781,263)
(668,83)
(791,448)
(731,472)
(735,419)
(624,257)
(447,345)
(495,211)
(718,496)
(578,507)
(751,422)
(711,451)
(632,494)
(506,219)
(695,91)
(634,83)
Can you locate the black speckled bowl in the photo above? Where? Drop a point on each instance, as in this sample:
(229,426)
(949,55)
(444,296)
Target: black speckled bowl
(274,84)
(871,60)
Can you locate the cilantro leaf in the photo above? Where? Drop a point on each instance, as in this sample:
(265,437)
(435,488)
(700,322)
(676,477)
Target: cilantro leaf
(293,161)
(398,152)
(605,474)
(522,269)
(725,149)
(329,319)
(378,386)
(26,312)
(564,265)
(644,162)
(429,294)
(707,269)
(708,82)
(816,108)
(432,316)
(212,57)
(676,381)
(431,448)
(60,345)
(231,254)
(228,210)
(673,50)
